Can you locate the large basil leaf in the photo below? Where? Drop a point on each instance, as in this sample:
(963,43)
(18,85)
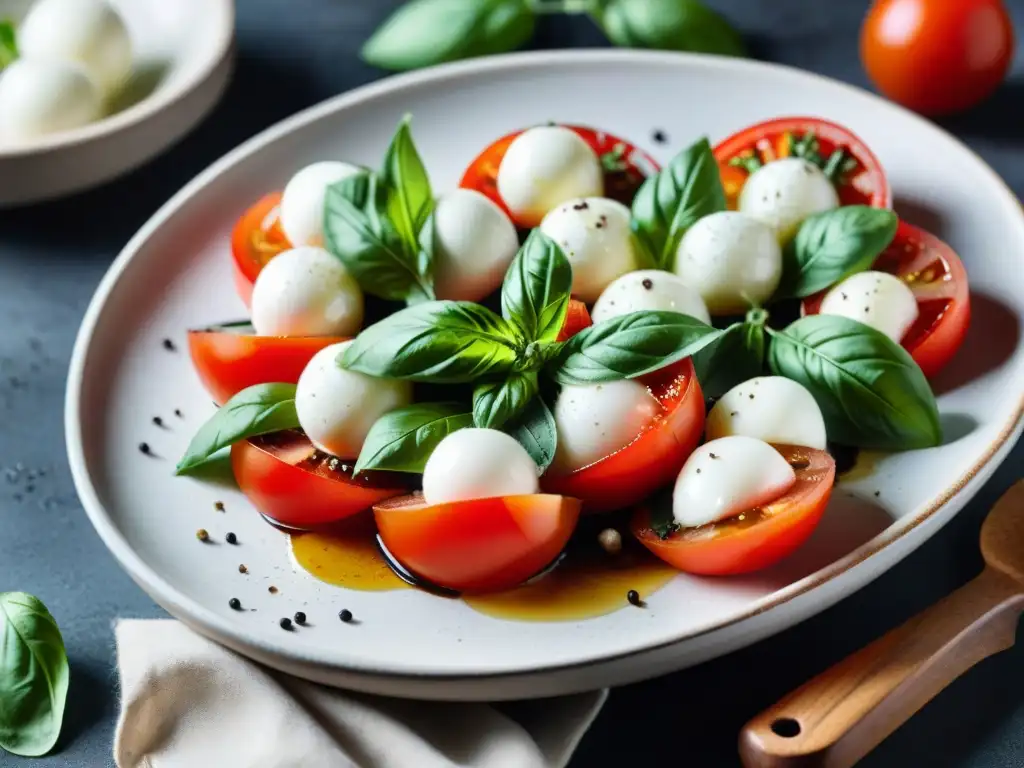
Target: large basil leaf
(673,25)
(535,294)
(628,346)
(425,32)
(256,410)
(869,389)
(444,342)
(736,356)
(358,230)
(403,439)
(34,676)
(409,200)
(8,43)
(495,403)
(669,203)
(832,245)
(536,432)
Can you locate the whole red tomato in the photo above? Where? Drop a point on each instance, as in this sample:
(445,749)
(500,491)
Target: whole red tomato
(937,56)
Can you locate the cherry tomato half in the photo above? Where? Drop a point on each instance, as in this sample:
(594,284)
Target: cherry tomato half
(862,182)
(255,240)
(762,537)
(937,57)
(576,319)
(653,459)
(938,279)
(625,165)
(295,486)
(231,357)
(482,545)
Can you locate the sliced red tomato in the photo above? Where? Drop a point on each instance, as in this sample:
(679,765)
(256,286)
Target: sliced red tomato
(483,545)
(296,486)
(938,279)
(255,240)
(576,319)
(625,165)
(653,459)
(862,183)
(231,357)
(757,538)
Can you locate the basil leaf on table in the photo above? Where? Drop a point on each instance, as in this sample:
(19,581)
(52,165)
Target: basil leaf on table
(443,342)
(425,32)
(671,25)
(8,43)
(496,403)
(628,346)
(256,410)
(536,432)
(403,439)
(672,200)
(870,391)
(34,676)
(535,294)
(737,355)
(833,245)
(409,200)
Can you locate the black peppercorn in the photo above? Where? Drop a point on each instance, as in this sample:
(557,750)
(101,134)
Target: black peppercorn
(169,345)
(144,448)
(235,604)
(300,617)
(230,538)
(648,283)
(219,506)
(178,413)
(202,535)
(634,598)
(158,421)
(286,623)
(345,615)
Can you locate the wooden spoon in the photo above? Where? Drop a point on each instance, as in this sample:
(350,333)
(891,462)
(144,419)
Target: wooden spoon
(845,712)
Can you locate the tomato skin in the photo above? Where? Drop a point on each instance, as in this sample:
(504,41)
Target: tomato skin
(576,319)
(256,238)
(730,547)
(653,459)
(937,57)
(481,545)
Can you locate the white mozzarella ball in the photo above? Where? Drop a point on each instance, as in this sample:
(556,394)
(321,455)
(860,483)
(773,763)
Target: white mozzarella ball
(785,192)
(732,260)
(649,289)
(478,464)
(595,421)
(728,477)
(306,292)
(878,299)
(89,33)
(44,96)
(336,407)
(771,408)
(302,202)
(474,243)
(595,235)
(546,166)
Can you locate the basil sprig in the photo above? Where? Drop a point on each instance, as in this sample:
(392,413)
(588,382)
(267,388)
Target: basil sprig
(536,431)
(735,356)
(495,403)
(8,43)
(671,25)
(535,294)
(403,439)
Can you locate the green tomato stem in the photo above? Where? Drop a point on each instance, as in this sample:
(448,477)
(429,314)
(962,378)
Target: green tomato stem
(757,316)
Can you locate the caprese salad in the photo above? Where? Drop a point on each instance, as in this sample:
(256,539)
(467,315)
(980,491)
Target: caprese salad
(571,331)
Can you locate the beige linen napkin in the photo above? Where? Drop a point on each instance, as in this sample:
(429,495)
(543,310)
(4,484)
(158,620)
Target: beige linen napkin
(189,703)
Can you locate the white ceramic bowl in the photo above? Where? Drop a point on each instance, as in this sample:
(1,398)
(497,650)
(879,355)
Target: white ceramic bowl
(413,644)
(183,59)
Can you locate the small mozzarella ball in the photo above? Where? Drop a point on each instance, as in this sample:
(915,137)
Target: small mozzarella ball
(878,299)
(649,289)
(89,33)
(596,420)
(728,477)
(595,235)
(771,408)
(44,96)
(732,260)
(302,202)
(306,292)
(474,243)
(785,192)
(336,407)
(546,166)
(477,463)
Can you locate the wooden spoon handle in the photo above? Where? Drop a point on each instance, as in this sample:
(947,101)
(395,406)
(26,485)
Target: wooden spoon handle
(842,714)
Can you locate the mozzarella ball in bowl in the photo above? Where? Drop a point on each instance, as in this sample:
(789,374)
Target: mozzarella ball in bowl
(306,292)
(476,463)
(652,290)
(336,407)
(302,202)
(40,96)
(771,408)
(784,192)
(878,299)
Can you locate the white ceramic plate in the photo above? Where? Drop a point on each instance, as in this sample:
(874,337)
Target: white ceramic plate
(176,273)
(183,57)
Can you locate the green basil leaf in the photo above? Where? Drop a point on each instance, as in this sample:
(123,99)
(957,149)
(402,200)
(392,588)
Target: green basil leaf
(736,356)
(869,389)
(669,203)
(443,342)
(628,346)
(34,676)
(358,231)
(8,43)
(409,200)
(403,439)
(496,403)
(832,245)
(671,25)
(536,432)
(425,32)
(256,410)
(535,294)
